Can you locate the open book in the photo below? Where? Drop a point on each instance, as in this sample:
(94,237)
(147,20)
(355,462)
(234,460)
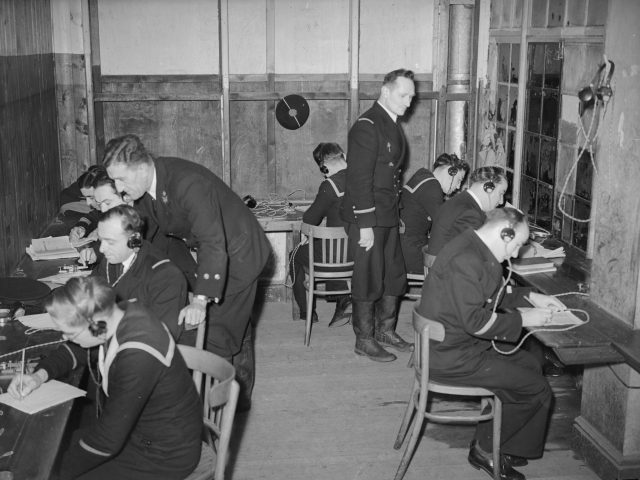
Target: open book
(51,248)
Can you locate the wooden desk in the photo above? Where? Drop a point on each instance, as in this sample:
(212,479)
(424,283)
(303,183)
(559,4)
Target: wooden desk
(593,343)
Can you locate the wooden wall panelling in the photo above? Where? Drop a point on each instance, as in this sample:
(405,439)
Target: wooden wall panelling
(28,146)
(296,168)
(186,129)
(248,138)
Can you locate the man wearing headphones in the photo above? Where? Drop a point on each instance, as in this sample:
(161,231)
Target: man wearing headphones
(332,164)
(136,270)
(421,198)
(487,186)
(463,292)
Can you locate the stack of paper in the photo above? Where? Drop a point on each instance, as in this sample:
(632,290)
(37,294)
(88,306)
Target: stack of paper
(535,249)
(51,248)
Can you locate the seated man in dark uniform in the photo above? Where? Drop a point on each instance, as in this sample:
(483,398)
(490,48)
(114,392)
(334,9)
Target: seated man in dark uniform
(332,163)
(487,186)
(421,198)
(463,291)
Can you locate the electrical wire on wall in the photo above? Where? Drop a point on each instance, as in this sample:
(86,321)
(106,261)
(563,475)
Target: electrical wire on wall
(596,100)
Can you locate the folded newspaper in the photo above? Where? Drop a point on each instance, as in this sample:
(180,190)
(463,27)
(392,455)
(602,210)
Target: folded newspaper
(51,248)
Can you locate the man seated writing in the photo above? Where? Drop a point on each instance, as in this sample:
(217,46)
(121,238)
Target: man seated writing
(465,291)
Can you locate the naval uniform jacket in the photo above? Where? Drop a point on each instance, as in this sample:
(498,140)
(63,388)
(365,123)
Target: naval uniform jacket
(327,202)
(152,416)
(460,292)
(454,217)
(376,152)
(193,204)
(420,200)
(152,280)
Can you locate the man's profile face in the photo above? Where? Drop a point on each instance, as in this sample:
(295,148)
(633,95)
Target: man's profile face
(497,196)
(513,247)
(129,179)
(397,96)
(113,240)
(88,194)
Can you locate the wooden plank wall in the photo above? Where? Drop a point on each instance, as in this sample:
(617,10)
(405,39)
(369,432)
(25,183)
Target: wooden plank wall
(29,156)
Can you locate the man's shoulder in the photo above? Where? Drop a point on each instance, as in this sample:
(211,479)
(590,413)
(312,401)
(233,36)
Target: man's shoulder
(152,260)
(421,177)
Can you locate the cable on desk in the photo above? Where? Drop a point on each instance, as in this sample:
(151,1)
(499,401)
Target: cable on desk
(31,347)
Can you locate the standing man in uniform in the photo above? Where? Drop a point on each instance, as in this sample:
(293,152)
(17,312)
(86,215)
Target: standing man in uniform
(377,148)
(188,201)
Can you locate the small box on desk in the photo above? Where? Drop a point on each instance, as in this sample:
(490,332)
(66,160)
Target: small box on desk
(527,266)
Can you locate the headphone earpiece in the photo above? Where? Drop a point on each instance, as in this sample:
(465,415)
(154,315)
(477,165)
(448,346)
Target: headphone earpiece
(452,171)
(507,234)
(97,328)
(135,240)
(489,186)
(323,169)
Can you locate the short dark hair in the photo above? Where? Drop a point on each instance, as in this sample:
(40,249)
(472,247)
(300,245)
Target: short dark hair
(127,149)
(451,160)
(395,74)
(487,174)
(91,176)
(76,302)
(106,180)
(325,151)
(129,218)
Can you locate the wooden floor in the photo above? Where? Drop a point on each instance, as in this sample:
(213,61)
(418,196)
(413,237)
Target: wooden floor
(322,412)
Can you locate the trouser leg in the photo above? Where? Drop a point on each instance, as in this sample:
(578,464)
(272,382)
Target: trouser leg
(386,314)
(364,328)
(245,365)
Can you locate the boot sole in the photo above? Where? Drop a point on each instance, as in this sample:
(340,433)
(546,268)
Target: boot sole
(391,358)
(340,322)
(397,349)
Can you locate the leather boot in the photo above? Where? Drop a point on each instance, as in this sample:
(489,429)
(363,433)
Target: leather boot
(363,327)
(386,318)
(340,316)
(245,365)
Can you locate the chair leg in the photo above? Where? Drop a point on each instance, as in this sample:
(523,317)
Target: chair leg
(497,427)
(413,442)
(310,306)
(411,360)
(406,419)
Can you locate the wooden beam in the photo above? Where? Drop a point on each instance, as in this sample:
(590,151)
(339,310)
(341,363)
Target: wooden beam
(88,75)
(354,60)
(223,16)
(94,64)
(270,14)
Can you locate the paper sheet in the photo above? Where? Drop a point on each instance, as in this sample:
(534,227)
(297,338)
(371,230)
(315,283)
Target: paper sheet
(559,319)
(49,394)
(63,277)
(41,321)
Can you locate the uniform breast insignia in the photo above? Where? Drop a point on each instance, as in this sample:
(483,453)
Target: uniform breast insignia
(165,198)
(389,146)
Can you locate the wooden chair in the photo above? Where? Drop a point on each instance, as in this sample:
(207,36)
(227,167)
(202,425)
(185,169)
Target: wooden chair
(425,330)
(333,264)
(220,391)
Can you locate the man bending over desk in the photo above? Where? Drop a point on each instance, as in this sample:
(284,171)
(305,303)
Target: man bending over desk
(463,291)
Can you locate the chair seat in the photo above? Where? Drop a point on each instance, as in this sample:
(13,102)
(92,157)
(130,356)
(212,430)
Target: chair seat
(206,465)
(458,390)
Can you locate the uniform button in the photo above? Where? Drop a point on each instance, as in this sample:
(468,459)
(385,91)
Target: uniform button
(391,164)
(216,300)
(205,276)
(216,276)
(184,239)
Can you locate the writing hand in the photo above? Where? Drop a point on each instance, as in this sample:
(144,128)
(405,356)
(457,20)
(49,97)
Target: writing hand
(76,234)
(536,317)
(366,238)
(548,301)
(19,390)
